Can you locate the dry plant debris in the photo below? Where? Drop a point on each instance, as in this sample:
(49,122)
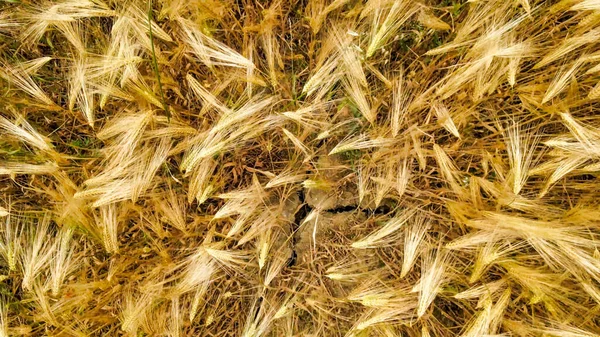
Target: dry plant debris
(299,168)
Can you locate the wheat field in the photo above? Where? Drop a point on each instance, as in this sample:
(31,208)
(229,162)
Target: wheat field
(299,168)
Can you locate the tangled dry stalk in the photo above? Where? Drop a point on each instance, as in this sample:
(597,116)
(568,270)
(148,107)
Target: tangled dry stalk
(299,168)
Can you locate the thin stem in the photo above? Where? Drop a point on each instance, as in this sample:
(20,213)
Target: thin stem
(155,63)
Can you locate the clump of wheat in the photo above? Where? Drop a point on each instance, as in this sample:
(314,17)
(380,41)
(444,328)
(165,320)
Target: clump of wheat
(299,168)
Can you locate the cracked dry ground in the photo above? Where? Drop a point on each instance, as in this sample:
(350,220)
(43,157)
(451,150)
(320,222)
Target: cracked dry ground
(323,222)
